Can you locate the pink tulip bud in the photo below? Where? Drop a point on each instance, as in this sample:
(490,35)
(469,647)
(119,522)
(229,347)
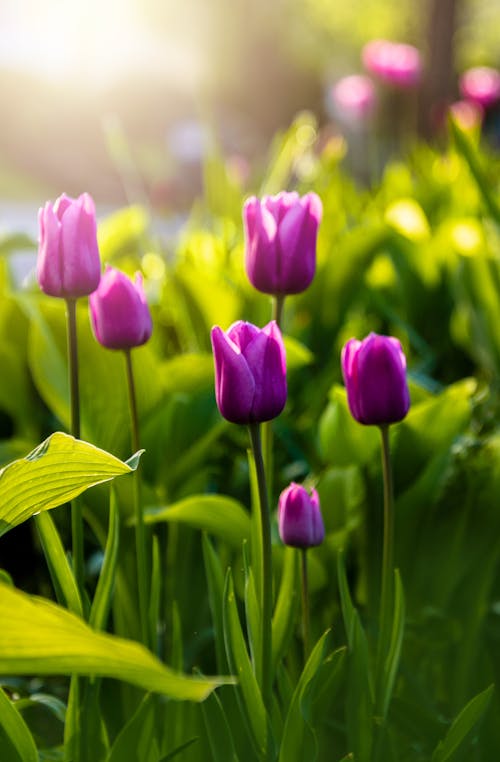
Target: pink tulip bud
(250,372)
(300,522)
(394,63)
(354,98)
(119,311)
(68,263)
(280,241)
(481,85)
(374,373)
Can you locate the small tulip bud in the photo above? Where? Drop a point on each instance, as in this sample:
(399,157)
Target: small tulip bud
(68,263)
(280,241)
(481,85)
(354,98)
(300,521)
(374,373)
(119,311)
(394,63)
(250,372)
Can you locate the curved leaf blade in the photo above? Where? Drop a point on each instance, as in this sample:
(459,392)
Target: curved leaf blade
(38,636)
(17,732)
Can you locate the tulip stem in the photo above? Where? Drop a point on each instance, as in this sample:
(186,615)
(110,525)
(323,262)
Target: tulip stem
(387,581)
(306,639)
(278,304)
(140,532)
(74,387)
(266,569)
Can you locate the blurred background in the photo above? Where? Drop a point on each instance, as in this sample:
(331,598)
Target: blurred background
(123,98)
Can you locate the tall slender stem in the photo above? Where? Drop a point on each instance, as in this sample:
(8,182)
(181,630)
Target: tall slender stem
(387,581)
(266,569)
(278,304)
(267,427)
(140,532)
(305,604)
(74,386)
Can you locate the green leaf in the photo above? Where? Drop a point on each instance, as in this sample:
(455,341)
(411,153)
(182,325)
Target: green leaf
(252,613)
(240,665)
(297,354)
(16,741)
(394,653)
(39,637)
(136,740)
(287,605)
(462,725)
(215,581)
(105,586)
(57,561)
(218,730)
(296,745)
(58,470)
(219,515)
(344,441)
(175,752)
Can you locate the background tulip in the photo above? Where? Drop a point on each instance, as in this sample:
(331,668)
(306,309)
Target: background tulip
(250,372)
(394,63)
(68,256)
(481,85)
(300,521)
(119,311)
(280,241)
(374,373)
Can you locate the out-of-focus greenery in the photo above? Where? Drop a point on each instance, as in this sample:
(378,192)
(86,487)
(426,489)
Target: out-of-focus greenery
(416,256)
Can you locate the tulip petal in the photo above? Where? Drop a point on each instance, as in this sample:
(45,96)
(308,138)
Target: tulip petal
(234,383)
(49,263)
(265,356)
(261,256)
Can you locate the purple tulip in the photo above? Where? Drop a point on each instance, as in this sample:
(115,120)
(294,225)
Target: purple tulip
(394,63)
(374,373)
(299,517)
(68,256)
(250,372)
(481,85)
(354,98)
(119,311)
(280,236)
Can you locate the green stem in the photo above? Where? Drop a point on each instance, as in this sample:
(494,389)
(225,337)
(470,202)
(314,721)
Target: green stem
(305,604)
(267,427)
(266,569)
(387,583)
(76,508)
(278,304)
(140,532)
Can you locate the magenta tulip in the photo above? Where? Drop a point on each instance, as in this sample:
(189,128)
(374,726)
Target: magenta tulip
(68,256)
(300,521)
(119,311)
(374,373)
(280,241)
(250,372)
(481,85)
(394,63)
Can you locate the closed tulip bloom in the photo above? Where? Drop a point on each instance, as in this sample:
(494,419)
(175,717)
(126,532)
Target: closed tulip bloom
(300,521)
(119,311)
(354,98)
(250,372)
(68,263)
(374,373)
(280,241)
(394,63)
(481,85)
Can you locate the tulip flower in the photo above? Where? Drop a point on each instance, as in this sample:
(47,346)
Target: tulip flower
(354,98)
(481,85)
(299,517)
(393,63)
(374,373)
(68,256)
(280,241)
(250,372)
(119,311)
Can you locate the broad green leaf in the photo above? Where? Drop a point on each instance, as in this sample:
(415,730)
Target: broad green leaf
(55,472)
(240,665)
(218,730)
(136,740)
(16,741)
(462,725)
(285,612)
(344,441)
(217,514)
(60,570)
(104,591)
(39,637)
(396,642)
(297,354)
(294,747)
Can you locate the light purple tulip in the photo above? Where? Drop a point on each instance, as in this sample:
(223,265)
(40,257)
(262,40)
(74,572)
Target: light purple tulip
(250,372)
(481,85)
(68,263)
(374,373)
(119,311)
(280,241)
(354,98)
(300,522)
(394,63)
